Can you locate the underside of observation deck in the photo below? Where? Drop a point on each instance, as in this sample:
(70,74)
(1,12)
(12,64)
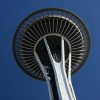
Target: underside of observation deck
(50,21)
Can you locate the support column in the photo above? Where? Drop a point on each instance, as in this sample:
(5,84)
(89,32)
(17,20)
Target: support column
(45,75)
(63,83)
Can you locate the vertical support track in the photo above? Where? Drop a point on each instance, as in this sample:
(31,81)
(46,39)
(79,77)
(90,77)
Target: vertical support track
(45,75)
(63,83)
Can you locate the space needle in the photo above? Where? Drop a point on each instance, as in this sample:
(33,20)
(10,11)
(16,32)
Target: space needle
(51,45)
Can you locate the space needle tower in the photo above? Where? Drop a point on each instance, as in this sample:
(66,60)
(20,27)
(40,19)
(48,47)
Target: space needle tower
(51,45)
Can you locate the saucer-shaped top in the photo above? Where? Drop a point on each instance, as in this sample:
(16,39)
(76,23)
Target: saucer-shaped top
(53,23)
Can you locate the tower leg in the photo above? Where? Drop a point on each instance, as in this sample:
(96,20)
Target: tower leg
(62,83)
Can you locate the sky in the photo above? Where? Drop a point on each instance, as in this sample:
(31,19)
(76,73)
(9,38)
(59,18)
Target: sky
(14,83)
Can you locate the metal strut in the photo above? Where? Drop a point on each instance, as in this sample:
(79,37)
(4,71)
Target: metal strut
(63,83)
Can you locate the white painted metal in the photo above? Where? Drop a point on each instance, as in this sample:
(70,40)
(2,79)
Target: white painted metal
(63,81)
(69,76)
(45,75)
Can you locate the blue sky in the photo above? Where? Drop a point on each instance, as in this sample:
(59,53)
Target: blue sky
(14,83)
